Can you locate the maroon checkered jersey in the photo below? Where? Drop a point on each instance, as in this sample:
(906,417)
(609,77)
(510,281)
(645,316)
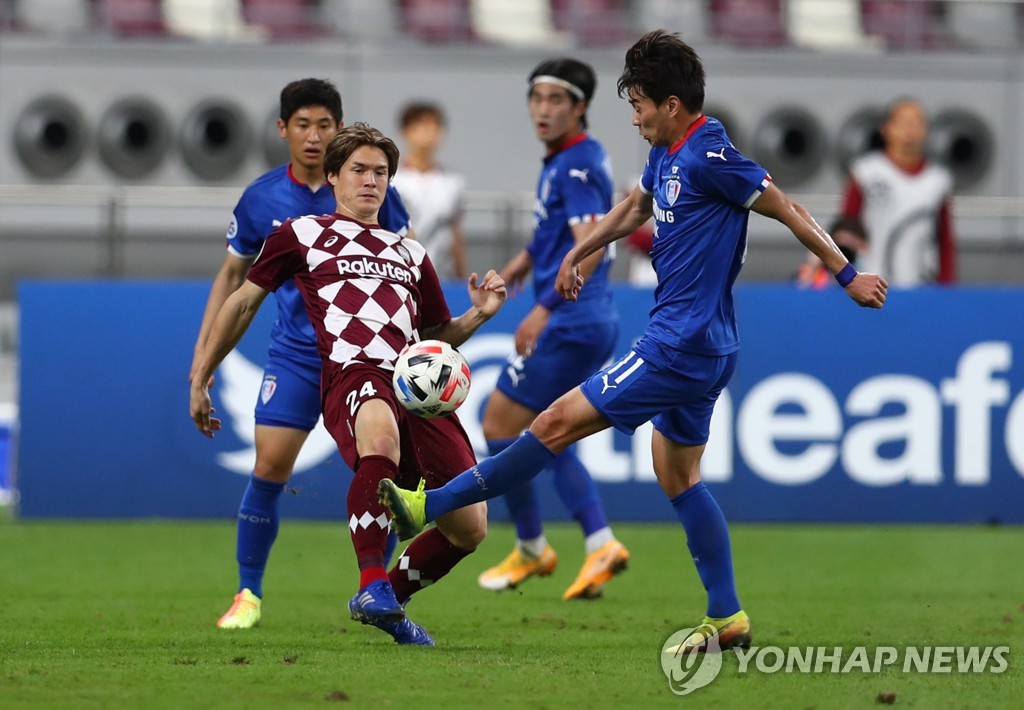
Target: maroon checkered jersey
(368,291)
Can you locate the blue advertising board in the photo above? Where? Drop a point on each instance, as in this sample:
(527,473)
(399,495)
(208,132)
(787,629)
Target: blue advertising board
(913,413)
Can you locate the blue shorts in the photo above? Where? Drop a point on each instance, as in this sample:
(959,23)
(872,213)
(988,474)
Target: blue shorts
(290,394)
(674,390)
(562,358)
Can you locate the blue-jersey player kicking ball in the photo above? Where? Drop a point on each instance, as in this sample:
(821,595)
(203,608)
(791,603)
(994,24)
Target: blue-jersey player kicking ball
(558,344)
(700,190)
(288,406)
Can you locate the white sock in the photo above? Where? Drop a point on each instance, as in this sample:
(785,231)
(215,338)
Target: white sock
(598,539)
(534,548)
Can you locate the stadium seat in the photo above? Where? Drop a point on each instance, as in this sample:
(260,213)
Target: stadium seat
(828,25)
(53,16)
(750,23)
(691,18)
(905,24)
(208,20)
(368,20)
(437,20)
(593,22)
(985,25)
(515,22)
(282,19)
(132,17)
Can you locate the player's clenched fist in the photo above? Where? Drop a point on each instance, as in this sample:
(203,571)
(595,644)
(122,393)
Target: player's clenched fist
(868,290)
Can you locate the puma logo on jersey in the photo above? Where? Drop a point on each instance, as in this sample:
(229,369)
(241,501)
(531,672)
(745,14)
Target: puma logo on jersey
(719,154)
(581,174)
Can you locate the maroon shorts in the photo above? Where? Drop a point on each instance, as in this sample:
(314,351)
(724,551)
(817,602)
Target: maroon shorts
(436,450)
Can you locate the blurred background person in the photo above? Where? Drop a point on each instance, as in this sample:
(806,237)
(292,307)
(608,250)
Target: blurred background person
(638,248)
(558,344)
(848,234)
(432,195)
(904,201)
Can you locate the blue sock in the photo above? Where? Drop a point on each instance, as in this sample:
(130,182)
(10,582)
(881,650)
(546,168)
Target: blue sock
(521,499)
(491,477)
(257,529)
(578,492)
(707,536)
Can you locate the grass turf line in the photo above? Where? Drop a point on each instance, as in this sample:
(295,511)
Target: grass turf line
(121,614)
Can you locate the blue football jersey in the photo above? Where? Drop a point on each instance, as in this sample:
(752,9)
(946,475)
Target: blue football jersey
(267,202)
(702,189)
(575,186)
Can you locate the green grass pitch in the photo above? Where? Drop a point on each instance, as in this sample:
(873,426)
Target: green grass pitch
(121,615)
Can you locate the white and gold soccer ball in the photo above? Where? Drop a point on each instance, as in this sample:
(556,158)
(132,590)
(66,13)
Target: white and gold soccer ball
(431,378)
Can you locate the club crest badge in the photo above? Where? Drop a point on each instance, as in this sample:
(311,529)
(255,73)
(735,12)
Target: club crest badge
(403,251)
(672,188)
(268,389)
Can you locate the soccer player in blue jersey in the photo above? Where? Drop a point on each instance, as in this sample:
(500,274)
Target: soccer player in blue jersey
(289,403)
(700,190)
(558,344)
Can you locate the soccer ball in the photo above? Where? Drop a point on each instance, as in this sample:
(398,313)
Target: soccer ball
(431,378)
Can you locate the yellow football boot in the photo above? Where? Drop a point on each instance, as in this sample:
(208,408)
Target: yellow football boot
(517,568)
(600,566)
(244,613)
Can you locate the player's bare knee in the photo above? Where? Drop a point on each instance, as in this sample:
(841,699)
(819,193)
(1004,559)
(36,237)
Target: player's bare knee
(381,445)
(677,482)
(550,425)
(273,471)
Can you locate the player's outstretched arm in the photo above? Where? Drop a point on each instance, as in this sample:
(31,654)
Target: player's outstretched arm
(623,219)
(229,277)
(227,329)
(487,298)
(867,290)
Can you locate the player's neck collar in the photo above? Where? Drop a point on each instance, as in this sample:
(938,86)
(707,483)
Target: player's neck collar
(291,176)
(364,225)
(568,143)
(689,132)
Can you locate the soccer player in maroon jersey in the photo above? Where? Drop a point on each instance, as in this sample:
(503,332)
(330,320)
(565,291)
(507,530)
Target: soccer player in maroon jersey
(369,293)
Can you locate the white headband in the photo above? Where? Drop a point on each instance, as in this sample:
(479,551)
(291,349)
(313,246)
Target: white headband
(567,85)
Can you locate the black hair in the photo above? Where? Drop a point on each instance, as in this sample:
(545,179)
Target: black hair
(310,92)
(575,72)
(660,65)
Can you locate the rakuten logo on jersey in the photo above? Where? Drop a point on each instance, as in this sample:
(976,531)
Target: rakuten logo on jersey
(375,269)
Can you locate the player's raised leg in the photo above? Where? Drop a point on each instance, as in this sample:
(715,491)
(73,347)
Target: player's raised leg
(566,421)
(276,450)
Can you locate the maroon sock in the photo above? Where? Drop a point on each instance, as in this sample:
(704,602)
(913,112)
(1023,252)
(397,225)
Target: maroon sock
(367,518)
(427,559)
